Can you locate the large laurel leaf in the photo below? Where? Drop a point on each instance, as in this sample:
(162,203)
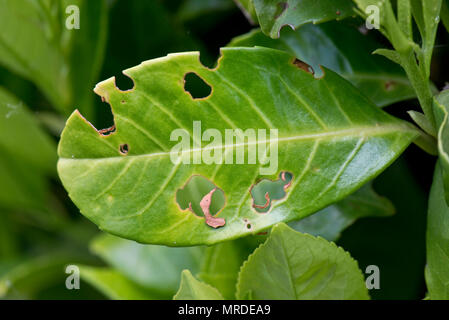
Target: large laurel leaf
(331,141)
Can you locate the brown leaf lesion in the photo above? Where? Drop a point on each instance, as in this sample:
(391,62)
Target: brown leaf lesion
(304,66)
(205,205)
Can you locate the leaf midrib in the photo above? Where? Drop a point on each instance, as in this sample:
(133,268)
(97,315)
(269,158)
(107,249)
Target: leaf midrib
(361,131)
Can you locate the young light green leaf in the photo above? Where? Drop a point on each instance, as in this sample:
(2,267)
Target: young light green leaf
(114,285)
(58,59)
(414,60)
(405,17)
(192,289)
(273,15)
(343,50)
(332,220)
(330,138)
(155,267)
(421,120)
(388,23)
(427,17)
(296,266)
(437,243)
(441,110)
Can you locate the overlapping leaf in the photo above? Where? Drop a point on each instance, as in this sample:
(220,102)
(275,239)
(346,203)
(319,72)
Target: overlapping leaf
(273,15)
(295,266)
(331,139)
(343,50)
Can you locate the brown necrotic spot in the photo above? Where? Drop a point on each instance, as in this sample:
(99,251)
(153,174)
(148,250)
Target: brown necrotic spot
(124,148)
(389,85)
(304,66)
(196,86)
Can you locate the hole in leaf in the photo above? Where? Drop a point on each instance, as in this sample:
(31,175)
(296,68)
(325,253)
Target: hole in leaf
(203,198)
(124,148)
(210,60)
(265,191)
(123,82)
(107,131)
(196,86)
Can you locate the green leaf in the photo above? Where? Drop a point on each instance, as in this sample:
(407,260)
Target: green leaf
(427,17)
(331,139)
(114,285)
(437,243)
(221,265)
(404,10)
(22,137)
(441,109)
(27,157)
(39,47)
(388,23)
(248,10)
(296,266)
(422,122)
(192,289)
(154,267)
(273,15)
(332,220)
(445,14)
(343,50)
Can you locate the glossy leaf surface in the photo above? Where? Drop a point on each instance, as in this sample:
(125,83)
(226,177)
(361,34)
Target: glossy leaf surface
(330,138)
(344,50)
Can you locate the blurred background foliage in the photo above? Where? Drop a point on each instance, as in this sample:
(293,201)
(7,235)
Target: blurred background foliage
(47,71)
